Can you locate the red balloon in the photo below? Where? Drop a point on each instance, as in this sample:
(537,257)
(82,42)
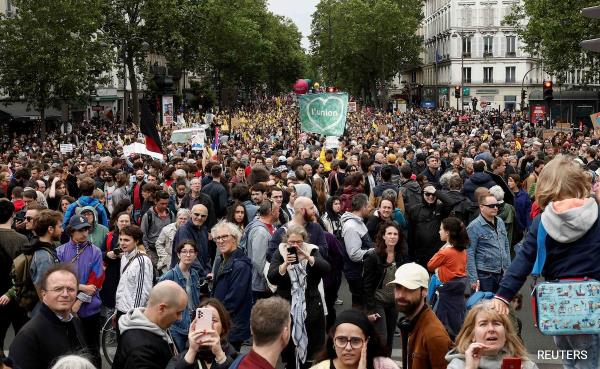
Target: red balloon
(301,87)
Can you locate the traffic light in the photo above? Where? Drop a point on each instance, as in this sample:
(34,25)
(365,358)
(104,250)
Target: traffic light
(523,95)
(548,91)
(457,92)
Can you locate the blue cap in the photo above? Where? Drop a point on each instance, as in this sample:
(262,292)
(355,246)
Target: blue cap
(79,222)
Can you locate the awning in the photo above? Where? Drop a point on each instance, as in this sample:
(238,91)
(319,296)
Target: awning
(20,110)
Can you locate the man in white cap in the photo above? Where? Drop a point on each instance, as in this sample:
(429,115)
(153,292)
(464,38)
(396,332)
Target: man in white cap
(425,341)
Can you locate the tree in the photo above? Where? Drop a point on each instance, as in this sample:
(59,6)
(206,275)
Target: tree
(124,28)
(52,52)
(359,45)
(553,30)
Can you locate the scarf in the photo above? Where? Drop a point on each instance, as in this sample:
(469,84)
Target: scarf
(297,274)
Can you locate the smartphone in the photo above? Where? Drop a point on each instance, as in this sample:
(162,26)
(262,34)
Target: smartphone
(292,250)
(511,363)
(203,319)
(117,251)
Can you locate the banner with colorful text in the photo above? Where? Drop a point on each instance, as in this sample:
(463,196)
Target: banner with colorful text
(324,114)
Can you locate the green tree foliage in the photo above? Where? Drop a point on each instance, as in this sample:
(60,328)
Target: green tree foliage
(51,52)
(553,30)
(124,28)
(359,45)
(247,46)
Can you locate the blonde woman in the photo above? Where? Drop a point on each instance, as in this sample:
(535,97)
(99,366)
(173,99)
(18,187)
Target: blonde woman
(571,220)
(486,338)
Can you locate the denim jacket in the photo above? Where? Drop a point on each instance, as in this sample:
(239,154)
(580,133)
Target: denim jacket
(176,275)
(488,250)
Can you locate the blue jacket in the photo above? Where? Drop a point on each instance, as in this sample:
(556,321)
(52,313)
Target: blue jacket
(175,274)
(232,285)
(199,235)
(86,201)
(523,208)
(489,249)
(563,260)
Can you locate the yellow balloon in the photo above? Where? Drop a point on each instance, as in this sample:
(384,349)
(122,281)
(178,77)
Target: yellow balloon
(316,85)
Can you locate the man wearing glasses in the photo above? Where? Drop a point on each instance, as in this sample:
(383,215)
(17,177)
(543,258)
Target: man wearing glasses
(196,230)
(488,255)
(55,331)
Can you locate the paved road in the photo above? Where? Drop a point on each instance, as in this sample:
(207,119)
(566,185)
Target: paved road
(534,341)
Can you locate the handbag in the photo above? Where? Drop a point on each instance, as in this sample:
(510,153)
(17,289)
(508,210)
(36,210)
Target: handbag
(569,306)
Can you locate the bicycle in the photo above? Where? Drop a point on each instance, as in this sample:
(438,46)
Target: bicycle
(108,338)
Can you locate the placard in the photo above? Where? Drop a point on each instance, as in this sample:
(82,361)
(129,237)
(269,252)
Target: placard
(66,148)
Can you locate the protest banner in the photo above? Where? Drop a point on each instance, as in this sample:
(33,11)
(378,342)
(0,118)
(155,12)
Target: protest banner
(324,114)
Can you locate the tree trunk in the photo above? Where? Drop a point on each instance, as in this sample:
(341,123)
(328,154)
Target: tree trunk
(43,124)
(135,103)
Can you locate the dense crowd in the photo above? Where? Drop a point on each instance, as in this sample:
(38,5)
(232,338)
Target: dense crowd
(246,242)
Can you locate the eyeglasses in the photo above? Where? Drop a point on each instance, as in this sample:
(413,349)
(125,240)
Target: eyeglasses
(491,206)
(342,342)
(29,219)
(428,194)
(69,290)
(199,215)
(221,238)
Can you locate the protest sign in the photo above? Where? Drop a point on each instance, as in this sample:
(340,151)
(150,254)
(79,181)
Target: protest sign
(66,148)
(324,114)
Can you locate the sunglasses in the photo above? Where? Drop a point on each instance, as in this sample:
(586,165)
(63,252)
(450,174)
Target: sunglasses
(198,215)
(491,206)
(427,194)
(29,219)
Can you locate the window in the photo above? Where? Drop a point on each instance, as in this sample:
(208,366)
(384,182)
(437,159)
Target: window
(466,75)
(466,47)
(510,74)
(466,16)
(510,45)
(488,45)
(488,16)
(488,75)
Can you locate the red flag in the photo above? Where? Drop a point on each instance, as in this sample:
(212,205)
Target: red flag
(148,128)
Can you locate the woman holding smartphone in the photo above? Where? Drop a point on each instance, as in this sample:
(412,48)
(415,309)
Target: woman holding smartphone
(296,269)
(208,346)
(189,280)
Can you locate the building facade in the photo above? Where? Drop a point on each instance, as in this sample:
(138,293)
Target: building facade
(467,45)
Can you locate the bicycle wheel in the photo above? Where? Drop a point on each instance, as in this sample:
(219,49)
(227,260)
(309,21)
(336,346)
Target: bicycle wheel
(108,339)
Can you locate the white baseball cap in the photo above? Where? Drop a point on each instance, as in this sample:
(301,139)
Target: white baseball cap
(411,276)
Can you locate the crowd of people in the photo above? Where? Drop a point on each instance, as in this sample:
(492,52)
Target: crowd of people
(415,210)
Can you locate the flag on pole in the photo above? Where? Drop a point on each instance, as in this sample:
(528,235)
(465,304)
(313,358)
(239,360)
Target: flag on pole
(148,128)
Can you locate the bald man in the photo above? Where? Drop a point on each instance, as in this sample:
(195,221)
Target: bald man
(305,214)
(144,341)
(195,229)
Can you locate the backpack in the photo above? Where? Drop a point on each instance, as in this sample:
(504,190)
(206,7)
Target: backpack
(463,210)
(81,206)
(172,218)
(25,293)
(244,240)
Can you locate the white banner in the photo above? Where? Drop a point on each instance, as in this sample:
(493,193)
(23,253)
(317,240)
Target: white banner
(332,142)
(66,148)
(140,148)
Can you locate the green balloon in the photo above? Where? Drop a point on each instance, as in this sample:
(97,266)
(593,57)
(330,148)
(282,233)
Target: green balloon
(309,81)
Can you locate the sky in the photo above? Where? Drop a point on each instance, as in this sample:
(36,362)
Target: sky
(299,11)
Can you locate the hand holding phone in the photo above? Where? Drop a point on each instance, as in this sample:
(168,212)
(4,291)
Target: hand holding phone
(292,251)
(203,319)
